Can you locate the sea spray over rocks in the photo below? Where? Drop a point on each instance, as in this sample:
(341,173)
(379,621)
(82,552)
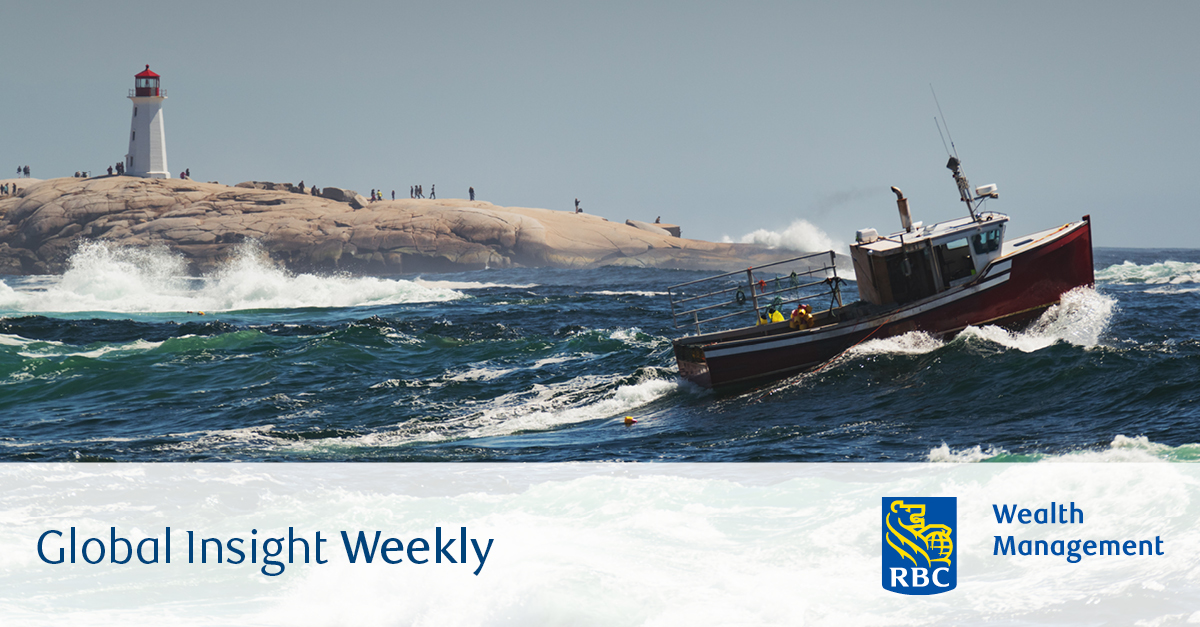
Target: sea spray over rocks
(102,277)
(799,236)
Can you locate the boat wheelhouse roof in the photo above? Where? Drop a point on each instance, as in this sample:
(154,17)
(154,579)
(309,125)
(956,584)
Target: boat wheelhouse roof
(939,232)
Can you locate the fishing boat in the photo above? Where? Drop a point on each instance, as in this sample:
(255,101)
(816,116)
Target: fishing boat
(938,279)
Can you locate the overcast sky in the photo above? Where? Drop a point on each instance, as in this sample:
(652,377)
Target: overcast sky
(724,117)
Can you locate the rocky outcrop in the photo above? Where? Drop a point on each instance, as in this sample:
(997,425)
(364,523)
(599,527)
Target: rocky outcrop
(646,226)
(339,194)
(206,223)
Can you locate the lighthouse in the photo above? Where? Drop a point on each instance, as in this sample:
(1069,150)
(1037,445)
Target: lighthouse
(147,140)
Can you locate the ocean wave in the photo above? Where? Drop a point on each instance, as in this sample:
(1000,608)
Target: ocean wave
(101,277)
(537,409)
(1080,318)
(57,350)
(1122,449)
(1171,289)
(801,236)
(16,340)
(470,285)
(627,293)
(554,406)
(1132,449)
(1165,272)
(911,343)
(944,454)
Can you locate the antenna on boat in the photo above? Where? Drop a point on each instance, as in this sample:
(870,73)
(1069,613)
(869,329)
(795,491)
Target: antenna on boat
(939,127)
(964,187)
(943,116)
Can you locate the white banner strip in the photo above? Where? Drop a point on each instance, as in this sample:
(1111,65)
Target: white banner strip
(587,544)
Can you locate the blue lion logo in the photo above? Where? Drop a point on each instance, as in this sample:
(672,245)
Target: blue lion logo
(921,558)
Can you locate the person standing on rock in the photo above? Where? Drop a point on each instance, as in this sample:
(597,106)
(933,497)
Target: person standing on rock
(577,209)
(432,192)
(26,171)
(393,194)
(471,190)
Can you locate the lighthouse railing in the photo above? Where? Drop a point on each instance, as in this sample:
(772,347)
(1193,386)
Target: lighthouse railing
(147,91)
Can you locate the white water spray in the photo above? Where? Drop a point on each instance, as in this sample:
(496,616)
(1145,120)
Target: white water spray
(101,277)
(1080,318)
(801,236)
(1163,273)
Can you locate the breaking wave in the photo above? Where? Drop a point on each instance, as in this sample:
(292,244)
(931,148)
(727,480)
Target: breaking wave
(1122,449)
(1162,273)
(1080,318)
(106,278)
(541,408)
(801,236)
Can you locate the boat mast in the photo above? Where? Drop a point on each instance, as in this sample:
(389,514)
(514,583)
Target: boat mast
(964,188)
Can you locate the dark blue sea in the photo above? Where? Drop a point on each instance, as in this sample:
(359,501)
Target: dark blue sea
(114,361)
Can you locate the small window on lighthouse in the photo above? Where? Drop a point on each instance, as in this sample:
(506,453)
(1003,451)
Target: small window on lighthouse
(135,112)
(132,135)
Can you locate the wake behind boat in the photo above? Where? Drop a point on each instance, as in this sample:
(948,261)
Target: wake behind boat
(938,279)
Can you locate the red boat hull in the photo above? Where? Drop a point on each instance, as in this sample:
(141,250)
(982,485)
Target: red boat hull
(1012,292)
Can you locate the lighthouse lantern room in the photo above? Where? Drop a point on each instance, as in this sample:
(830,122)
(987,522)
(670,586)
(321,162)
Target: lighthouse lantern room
(147,140)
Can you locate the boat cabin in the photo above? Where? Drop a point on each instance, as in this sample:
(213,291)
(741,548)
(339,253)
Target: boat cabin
(922,261)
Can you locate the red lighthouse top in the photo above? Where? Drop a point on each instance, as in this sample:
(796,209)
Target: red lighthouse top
(147,83)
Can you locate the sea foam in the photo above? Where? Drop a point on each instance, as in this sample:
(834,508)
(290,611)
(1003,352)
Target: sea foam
(101,277)
(1165,272)
(1122,449)
(1080,318)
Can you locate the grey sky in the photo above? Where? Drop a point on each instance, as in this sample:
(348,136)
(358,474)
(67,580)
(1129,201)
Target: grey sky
(722,117)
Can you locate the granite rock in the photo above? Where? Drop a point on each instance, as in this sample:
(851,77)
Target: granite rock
(44,223)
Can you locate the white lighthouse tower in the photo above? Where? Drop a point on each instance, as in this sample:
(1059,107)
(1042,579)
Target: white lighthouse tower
(147,140)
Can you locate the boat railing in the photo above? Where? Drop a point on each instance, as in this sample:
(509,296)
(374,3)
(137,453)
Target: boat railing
(757,288)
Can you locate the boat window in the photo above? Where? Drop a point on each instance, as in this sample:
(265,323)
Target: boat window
(956,261)
(986,242)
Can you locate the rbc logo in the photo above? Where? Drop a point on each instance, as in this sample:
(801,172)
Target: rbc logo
(918,544)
